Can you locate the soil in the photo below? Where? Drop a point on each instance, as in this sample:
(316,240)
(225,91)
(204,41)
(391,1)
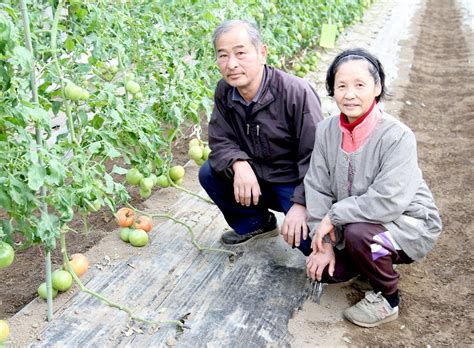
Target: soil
(439,107)
(433,96)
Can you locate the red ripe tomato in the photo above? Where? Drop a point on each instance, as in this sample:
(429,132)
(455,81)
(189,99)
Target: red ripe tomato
(144,223)
(79,264)
(125,217)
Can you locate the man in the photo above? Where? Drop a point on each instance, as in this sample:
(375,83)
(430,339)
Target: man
(261,135)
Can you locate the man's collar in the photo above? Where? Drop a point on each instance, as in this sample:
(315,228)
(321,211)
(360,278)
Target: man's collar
(237,97)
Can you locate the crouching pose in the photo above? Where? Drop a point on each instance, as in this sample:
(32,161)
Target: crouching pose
(261,134)
(367,203)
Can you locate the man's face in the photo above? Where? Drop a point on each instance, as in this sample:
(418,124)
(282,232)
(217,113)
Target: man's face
(240,63)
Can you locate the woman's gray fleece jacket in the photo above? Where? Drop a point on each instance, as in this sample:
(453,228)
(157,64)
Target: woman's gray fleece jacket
(379,183)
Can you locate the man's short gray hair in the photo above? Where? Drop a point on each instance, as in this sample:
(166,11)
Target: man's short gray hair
(251,27)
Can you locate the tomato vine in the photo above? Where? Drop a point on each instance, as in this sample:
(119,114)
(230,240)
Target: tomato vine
(69,64)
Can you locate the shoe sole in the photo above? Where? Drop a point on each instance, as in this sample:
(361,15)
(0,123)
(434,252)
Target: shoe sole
(388,319)
(269,234)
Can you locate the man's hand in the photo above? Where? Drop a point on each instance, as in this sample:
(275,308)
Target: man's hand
(324,228)
(318,260)
(294,224)
(246,187)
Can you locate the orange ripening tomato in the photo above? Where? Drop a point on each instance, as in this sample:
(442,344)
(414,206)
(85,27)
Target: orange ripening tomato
(125,217)
(79,264)
(144,223)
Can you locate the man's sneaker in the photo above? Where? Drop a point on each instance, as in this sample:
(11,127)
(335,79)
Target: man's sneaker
(371,311)
(270,229)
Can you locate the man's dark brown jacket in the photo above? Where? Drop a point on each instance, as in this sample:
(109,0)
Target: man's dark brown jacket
(275,135)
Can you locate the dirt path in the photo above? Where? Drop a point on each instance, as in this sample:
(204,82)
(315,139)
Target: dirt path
(437,102)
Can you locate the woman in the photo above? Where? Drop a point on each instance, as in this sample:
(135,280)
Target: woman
(368,205)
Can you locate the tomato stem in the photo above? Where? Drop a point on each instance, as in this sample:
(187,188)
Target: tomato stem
(101,297)
(190,230)
(189,192)
(54,35)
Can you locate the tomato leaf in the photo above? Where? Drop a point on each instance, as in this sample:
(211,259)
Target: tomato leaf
(22,57)
(48,230)
(5,201)
(56,172)
(119,170)
(36,176)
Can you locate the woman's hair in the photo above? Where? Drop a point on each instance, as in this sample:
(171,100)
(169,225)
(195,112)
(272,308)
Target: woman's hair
(375,69)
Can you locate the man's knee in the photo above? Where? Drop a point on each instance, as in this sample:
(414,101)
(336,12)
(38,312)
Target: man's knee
(205,175)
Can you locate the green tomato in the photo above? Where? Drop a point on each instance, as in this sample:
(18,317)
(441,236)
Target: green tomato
(194,142)
(73,92)
(4,331)
(144,193)
(134,176)
(62,280)
(129,76)
(113,69)
(154,178)
(206,152)
(138,96)
(138,238)
(132,87)
(125,234)
(199,162)
(195,152)
(146,184)
(177,172)
(7,254)
(162,181)
(43,292)
(84,94)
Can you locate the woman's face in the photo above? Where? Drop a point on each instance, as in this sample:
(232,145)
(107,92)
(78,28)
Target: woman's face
(355,88)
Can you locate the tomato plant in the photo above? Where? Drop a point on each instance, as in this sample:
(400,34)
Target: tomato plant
(125,86)
(125,217)
(144,223)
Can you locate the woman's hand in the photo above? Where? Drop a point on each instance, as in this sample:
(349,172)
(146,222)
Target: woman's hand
(318,260)
(324,228)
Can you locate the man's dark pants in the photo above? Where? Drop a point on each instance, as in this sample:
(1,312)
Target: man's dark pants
(243,219)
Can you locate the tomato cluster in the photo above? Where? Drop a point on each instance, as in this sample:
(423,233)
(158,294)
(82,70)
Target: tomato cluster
(62,279)
(134,231)
(198,151)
